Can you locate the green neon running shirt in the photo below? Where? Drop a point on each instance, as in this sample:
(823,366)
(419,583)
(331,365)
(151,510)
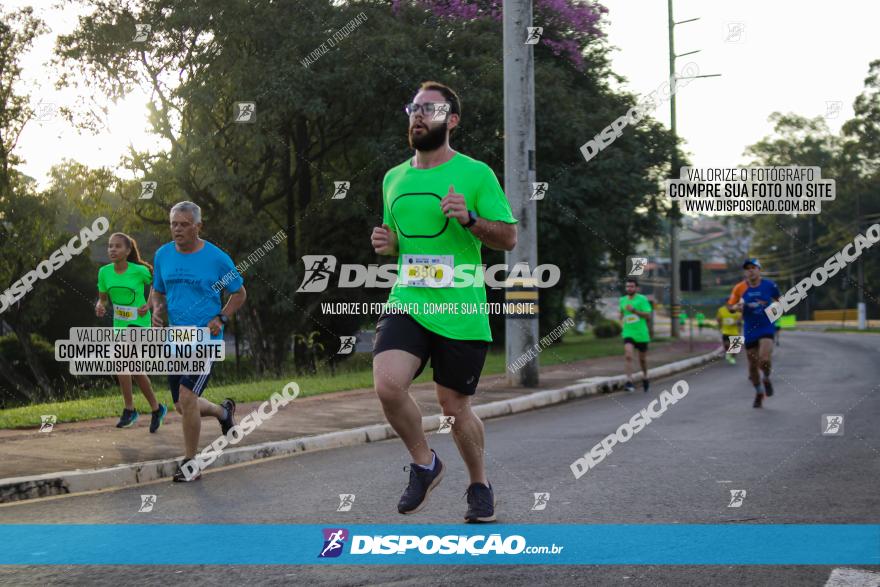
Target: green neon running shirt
(126,292)
(634,326)
(411,203)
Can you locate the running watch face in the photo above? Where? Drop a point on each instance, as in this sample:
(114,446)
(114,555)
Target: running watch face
(418,215)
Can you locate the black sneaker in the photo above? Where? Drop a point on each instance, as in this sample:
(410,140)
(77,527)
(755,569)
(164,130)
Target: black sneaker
(768,387)
(157,417)
(645,384)
(421,483)
(629,386)
(180,476)
(227,424)
(759,398)
(481,503)
(127,419)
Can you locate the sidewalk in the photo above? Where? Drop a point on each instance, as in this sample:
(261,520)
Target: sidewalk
(98,444)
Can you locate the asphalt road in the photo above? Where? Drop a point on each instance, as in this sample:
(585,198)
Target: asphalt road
(679,469)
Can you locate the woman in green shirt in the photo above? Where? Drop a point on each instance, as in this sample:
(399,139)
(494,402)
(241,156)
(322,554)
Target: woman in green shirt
(122,282)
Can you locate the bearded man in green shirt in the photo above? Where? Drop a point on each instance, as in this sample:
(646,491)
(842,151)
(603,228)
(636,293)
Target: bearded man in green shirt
(440,207)
(635,309)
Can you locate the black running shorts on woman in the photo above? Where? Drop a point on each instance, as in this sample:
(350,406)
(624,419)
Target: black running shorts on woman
(456,363)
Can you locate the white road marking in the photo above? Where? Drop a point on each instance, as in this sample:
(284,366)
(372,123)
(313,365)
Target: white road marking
(853,578)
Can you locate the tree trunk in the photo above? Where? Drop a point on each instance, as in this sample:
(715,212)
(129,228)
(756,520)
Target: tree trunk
(43,383)
(304,174)
(19,384)
(289,199)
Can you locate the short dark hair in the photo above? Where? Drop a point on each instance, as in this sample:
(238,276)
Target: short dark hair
(632,280)
(448,93)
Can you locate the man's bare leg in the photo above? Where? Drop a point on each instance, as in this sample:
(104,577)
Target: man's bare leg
(393,372)
(628,362)
(754,375)
(765,350)
(206,408)
(467,431)
(192,422)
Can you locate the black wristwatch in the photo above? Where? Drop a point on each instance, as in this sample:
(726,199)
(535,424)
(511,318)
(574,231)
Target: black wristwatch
(223,318)
(473,219)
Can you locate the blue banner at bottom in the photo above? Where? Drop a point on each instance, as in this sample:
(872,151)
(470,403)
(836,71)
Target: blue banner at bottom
(275,544)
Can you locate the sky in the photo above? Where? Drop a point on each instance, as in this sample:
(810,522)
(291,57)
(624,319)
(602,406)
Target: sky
(788,56)
(801,56)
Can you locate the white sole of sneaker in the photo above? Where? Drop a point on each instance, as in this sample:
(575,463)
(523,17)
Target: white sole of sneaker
(431,487)
(486,519)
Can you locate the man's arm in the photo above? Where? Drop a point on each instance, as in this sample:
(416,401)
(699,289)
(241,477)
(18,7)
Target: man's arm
(234,302)
(495,234)
(734,304)
(384,241)
(158,301)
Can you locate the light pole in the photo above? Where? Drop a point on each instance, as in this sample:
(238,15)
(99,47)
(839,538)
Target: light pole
(521,331)
(674,212)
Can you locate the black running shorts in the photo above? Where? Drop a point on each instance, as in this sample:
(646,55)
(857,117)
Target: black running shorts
(195,382)
(754,343)
(457,364)
(641,346)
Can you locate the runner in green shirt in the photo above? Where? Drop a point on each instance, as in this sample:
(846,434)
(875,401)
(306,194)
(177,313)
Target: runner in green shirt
(122,282)
(440,208)
(635,309)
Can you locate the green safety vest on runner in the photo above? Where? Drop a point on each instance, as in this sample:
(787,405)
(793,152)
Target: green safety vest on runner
(427,239)
(634,326)
(126,292)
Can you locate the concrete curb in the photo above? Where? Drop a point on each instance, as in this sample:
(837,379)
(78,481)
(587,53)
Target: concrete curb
(67,482)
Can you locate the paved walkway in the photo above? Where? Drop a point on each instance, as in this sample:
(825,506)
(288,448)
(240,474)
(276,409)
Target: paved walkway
(99,444)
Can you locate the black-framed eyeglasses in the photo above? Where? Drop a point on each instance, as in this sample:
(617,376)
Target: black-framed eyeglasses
(428,108)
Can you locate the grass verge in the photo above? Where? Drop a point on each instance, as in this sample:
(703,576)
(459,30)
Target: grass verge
(575,347)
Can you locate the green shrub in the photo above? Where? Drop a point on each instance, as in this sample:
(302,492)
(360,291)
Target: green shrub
(606,329)
(65,386)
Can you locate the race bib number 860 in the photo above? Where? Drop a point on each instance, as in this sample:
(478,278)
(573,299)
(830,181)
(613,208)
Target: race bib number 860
(428,270)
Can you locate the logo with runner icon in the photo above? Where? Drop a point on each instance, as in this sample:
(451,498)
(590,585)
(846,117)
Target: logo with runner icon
(446,423)
(245,112)
(737,497)
(346,345)
(346,501)
(147,503)
(441,111)
(141,32)
(148,190)
(539,190)
(832,424)
(47,423)
(541,500)
(334,541)
(534,34)
(736,344)
(340,189)
(319,268)
(637,265)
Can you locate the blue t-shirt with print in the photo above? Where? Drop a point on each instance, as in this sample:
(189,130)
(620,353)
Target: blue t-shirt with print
(755,300)
(192,283)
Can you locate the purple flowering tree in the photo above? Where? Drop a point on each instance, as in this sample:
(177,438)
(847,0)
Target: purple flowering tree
(569,25)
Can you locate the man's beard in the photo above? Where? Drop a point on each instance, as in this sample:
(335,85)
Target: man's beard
(430,140)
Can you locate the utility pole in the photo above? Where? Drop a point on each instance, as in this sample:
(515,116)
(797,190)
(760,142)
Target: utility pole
(521,331)
(862,309)
(674,212)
